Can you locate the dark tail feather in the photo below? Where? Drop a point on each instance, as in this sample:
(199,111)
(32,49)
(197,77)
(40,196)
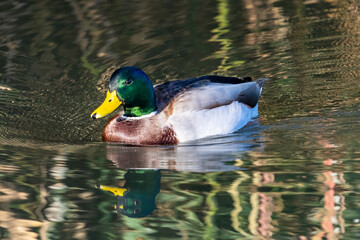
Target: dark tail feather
(261,81)
(251,95)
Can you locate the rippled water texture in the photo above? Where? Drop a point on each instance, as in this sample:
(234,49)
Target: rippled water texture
(293,173)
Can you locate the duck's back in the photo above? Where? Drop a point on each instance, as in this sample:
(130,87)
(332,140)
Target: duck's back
(166,92)
(206,92)
(210,105)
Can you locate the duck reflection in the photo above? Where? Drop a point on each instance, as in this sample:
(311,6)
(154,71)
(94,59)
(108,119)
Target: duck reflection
(209,155)
(137,197)
(143,164)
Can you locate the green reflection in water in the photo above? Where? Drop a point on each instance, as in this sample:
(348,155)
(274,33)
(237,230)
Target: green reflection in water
(235,195)
(274,196)
(220,37)
(211,228)
(95,71)
(303,181)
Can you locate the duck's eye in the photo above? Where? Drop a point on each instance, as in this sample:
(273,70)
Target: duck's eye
(110,100)
(128,81)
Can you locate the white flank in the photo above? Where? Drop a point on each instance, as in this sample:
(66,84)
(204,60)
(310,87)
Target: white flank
(203,123)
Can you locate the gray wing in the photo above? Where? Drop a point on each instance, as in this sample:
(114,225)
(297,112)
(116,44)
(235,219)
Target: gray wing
(207,92)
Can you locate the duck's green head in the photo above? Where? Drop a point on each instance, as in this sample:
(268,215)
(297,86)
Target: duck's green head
(130,87)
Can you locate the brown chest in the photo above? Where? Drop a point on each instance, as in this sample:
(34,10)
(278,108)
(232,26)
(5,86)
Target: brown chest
(147,131)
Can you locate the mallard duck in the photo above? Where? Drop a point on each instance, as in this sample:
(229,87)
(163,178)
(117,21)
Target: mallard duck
(176,111)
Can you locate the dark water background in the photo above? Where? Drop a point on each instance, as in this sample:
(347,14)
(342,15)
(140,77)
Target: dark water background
(294,173)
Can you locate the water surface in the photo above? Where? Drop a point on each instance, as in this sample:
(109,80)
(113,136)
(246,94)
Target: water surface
(293,173)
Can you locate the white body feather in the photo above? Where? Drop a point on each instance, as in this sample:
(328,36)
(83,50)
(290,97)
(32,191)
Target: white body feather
(196,121)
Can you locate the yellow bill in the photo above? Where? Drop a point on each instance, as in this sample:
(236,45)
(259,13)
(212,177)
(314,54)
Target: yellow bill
(109,105)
